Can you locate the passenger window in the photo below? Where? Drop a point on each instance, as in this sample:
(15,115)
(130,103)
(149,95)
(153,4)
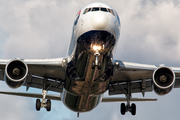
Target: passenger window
(95,9)
(104,9)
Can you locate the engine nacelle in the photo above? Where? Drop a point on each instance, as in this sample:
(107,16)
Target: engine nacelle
(164,80)
(15,73)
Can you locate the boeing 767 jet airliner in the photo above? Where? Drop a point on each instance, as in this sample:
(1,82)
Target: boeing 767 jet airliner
(89,70)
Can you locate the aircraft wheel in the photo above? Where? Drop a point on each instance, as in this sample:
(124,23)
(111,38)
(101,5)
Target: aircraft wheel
(123,108)
(133,109)
(38,104)
(93,65)
(99,64)
(48,107)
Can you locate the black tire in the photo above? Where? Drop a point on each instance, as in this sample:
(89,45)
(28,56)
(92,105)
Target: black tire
(133,109)
(48,107)
(38,104)
(123,108)
(99,64)
(93,65)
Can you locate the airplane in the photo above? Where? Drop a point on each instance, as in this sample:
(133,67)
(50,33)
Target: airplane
(89,70)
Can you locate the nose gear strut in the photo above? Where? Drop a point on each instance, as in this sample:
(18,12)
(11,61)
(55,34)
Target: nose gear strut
(96,62)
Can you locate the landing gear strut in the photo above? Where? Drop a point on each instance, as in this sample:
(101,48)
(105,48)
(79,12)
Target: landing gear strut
(125,108)
(96,62)
(45,103)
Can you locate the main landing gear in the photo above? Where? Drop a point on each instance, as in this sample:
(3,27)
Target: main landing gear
(125,108)
(44,103)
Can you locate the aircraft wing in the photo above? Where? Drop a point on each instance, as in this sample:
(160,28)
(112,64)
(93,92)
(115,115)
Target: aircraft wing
(140,76)
(53,70)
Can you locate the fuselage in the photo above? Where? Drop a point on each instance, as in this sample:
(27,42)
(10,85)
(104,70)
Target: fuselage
(95,33)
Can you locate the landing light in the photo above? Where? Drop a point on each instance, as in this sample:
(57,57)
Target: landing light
(96,47)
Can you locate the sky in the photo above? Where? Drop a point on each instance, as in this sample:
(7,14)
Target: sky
(42,29)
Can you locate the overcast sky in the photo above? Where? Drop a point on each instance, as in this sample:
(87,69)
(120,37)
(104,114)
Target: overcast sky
(42,29)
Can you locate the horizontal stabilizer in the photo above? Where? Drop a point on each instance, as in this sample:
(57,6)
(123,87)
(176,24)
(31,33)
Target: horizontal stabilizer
(32,95)
(55,97)
(124,99)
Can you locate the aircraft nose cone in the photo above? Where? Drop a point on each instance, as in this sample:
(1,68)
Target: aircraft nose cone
(99,20)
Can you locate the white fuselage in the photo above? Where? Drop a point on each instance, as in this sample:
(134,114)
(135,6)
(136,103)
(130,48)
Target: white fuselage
(95,33)
(95,20)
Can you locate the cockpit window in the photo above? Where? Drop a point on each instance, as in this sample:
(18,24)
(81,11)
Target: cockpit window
(98,9)
(111,11)
(95,9)
(85,10)
(104,9)
(89,9)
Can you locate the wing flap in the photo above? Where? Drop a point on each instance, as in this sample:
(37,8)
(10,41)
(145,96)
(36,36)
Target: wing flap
(37,82)
(136,87)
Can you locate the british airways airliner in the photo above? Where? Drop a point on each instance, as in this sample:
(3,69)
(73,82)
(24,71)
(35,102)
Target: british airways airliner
(89,70)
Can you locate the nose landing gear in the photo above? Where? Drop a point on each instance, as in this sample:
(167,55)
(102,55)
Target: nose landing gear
(96,62)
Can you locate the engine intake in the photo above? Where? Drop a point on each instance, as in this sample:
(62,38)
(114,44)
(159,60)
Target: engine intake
(163,79)
(15,73)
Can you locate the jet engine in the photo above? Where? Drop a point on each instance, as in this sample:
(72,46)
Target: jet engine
(164,80)
(15,73)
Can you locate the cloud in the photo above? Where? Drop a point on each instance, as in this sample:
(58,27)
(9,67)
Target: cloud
(154,29)
(42,29)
